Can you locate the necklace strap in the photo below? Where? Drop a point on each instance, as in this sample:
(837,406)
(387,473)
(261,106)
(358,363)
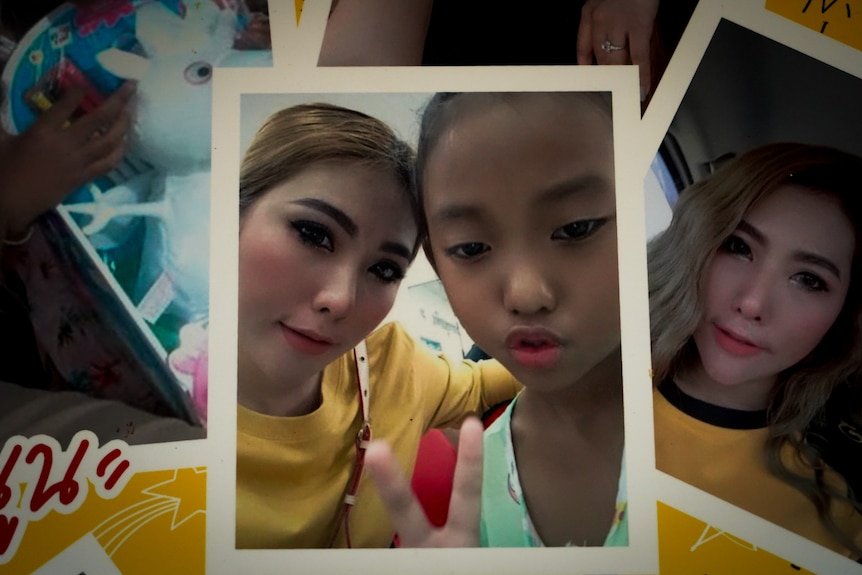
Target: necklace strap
(363,438)
(360,355)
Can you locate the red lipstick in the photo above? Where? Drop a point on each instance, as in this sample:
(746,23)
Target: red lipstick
(534,347)
(306,341)
(735,344)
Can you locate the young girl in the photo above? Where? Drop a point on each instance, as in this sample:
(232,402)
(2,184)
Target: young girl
(518,195)
(328,228)
(755,311)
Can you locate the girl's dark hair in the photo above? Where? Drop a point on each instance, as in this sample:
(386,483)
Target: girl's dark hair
(442,111)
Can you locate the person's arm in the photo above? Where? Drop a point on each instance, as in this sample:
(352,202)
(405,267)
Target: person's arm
(627,25)
(445,389)
(376,33)
(456,388)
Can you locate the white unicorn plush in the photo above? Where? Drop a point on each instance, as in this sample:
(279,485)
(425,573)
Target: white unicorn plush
(172,133)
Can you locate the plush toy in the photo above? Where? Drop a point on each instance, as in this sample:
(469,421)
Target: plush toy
(172,134)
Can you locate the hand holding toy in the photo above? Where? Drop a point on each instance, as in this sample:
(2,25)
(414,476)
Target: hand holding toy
(56,155)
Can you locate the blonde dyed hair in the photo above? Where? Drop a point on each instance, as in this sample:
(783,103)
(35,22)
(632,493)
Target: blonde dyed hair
(296,138)
(706,214)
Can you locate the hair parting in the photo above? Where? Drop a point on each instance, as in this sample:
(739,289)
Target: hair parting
(298,137)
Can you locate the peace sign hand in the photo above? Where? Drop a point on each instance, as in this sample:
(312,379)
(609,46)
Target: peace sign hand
(413,527)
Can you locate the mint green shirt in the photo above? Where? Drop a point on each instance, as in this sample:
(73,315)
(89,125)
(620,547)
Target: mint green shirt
(505,519)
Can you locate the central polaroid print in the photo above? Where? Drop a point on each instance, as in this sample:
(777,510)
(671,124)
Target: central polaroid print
(413,268)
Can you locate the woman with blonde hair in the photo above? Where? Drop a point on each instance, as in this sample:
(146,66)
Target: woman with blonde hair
(756,306)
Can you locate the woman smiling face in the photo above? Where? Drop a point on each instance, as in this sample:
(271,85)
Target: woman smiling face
(321,256)
(770,294)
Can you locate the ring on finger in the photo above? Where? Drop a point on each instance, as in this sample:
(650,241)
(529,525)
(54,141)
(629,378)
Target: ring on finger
(608,47)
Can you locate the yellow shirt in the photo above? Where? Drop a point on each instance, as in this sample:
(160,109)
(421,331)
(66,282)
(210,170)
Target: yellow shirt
(292,471)
(729,463)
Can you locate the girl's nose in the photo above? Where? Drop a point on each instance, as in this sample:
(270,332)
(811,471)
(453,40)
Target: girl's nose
(526,290)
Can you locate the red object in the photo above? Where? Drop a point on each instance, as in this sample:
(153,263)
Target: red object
(93,14)
(68,75)
(435,469)
(433,474)
(494,412)
(52,85)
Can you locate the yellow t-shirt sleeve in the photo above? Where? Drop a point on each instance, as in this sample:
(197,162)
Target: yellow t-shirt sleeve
(445,390)
(454,388)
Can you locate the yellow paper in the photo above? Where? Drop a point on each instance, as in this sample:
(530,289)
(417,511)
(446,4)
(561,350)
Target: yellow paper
(159,510)
(838,19)
(688,545)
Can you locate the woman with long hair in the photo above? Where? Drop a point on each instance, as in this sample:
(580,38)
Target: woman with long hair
(755,308)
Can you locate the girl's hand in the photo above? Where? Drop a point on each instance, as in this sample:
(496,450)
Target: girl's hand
(414,530)
(53,157)
(627,24)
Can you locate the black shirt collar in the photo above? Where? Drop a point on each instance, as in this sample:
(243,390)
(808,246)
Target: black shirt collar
(712,414)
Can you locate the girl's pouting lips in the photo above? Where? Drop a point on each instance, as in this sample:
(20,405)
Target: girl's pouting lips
(306,341)
(734,343)
(534,347)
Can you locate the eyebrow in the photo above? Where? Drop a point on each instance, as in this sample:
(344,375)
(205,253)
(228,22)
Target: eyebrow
(799,255)
(571,187)
(350,226)
(551,195)
(397,249)
(340,217)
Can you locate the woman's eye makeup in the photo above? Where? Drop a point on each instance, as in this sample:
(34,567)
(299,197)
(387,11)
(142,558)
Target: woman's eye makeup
(810,282)
(735,245)
(387,272)
(313,234)
(579,230)
(574,231)
(318,236)
(467,250)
